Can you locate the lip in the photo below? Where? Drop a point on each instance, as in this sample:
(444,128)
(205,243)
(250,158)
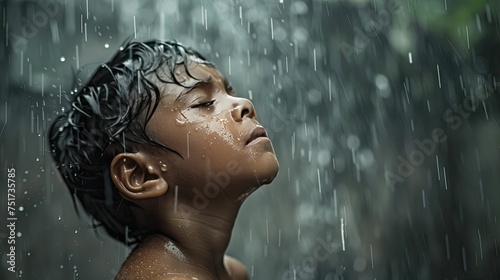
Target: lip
(259,133)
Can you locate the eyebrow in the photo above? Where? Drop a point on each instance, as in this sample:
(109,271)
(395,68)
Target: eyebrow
(198,84)
(202,83)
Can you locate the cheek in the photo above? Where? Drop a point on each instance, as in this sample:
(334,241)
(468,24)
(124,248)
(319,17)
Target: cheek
(215,130)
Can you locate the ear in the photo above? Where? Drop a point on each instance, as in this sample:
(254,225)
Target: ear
(138,175)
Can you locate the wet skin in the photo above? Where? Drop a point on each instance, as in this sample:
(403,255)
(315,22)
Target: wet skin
(190,196)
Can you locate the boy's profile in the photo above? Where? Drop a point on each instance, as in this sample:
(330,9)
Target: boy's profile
(159,150)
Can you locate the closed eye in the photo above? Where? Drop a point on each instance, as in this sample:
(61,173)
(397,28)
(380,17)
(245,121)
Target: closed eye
(204,104)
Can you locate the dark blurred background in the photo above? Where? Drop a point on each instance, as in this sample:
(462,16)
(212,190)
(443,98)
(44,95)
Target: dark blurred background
(384,115)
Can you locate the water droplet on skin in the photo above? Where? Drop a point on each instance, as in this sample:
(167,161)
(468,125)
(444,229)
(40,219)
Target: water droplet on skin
(180,122)
(172,249)
(163,167)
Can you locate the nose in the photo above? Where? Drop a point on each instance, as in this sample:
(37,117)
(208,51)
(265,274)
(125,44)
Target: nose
(243,108)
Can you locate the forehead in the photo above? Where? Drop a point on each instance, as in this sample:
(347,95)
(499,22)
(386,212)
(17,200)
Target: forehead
(190,75)
(196,72)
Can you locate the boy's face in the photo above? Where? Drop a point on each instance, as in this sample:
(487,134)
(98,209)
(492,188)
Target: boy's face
(216,133)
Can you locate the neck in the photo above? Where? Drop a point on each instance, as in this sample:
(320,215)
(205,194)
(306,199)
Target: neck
(199,237)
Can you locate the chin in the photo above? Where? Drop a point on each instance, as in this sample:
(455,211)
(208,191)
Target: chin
(267,169)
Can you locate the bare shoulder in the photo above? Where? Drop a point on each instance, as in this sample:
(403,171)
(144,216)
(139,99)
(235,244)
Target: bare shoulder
(235,268)
(148,261)
(130,271)
(166,277)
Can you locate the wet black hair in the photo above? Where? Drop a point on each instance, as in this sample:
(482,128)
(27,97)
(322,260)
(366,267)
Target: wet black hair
(108,115)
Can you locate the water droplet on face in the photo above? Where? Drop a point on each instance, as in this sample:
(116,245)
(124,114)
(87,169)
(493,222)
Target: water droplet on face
(163,167)
(180,121)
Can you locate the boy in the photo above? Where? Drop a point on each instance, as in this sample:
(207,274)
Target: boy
(161,153)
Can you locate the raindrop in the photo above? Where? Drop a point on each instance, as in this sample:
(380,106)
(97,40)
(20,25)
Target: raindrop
(21,209)
(63,59)
(298,8)
(366,158)
(300,34)
(353,142)
(314,96)
(382,84)
(359,264)
(19,234)
(324,157)
(163,167)
(106,46)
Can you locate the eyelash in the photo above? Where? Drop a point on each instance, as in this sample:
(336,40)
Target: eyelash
(204,104)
